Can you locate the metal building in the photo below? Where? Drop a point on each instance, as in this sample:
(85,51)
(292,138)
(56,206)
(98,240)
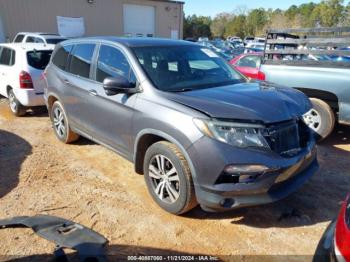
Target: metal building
(159,18)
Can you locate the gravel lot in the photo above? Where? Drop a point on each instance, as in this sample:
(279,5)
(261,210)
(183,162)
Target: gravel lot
(93,186)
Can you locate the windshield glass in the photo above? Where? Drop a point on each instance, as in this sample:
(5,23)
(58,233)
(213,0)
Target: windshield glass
(183,68)
(39,59)
(55,41)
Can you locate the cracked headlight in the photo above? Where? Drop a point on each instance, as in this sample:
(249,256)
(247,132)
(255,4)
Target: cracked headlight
(236,134)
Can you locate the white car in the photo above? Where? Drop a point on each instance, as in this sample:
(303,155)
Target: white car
(41,38)
(21,69)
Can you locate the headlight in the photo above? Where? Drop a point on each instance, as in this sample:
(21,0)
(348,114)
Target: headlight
(236,134)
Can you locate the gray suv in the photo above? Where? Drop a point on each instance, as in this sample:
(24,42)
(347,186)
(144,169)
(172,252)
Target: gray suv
(197,130)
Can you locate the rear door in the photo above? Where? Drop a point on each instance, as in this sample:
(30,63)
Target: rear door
(78,84)
(37,61)
(7,62)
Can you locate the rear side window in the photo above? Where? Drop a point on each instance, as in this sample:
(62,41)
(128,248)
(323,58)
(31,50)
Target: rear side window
(81,60)
(112,63)
(18,39)
(7,57)
(60,58)
(39,59)
(31,39)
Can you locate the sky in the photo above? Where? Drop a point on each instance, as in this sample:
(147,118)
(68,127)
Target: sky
(213,7)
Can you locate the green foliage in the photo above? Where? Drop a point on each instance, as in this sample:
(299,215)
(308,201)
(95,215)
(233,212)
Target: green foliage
(197,26)
(256,21)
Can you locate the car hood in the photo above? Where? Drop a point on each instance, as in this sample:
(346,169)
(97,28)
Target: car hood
(258,101)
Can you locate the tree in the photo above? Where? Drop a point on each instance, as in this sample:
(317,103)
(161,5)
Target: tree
(328,13)
(255,21)
(197,26)
(236,27)
(218,25)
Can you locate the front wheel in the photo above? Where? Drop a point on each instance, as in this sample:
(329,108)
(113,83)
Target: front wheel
(16,107)
(168,178)
(320,118)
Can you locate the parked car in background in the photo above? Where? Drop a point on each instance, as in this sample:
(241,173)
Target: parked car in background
(260,40)
(342,58)
(194,126)
(203,39)
(254,47)
(325,81)
(41,38)
(248,39)
(249,65)
(335,243)
(21,68)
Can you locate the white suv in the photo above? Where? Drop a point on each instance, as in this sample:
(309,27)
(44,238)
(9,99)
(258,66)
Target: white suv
(21,79)
(41,38)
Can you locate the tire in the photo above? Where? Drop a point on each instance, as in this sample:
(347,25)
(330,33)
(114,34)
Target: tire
(60,124)
(321,119)
(15,106)
(180,181)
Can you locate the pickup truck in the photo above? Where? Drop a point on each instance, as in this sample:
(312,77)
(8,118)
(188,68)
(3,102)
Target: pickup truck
(311,60)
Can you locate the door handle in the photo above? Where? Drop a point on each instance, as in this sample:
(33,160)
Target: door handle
(66,81)
(92,92)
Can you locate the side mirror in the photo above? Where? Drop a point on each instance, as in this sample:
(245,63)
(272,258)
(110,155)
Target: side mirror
(118,85)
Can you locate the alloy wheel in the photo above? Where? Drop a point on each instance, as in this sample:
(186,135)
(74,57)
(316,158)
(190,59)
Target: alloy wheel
(59,123)
(164,178)
(313,120)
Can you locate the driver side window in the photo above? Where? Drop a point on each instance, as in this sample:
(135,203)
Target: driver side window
(112,63)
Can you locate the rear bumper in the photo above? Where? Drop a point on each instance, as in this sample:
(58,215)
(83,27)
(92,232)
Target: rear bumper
(29,97)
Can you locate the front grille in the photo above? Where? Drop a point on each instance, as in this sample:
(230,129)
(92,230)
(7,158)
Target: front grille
(287,138)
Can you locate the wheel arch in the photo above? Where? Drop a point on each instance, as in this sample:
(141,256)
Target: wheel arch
(8,88)
(330,98)
(50,100)
(148,137)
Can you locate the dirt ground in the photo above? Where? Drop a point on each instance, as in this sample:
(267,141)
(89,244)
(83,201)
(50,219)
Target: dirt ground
(93,186)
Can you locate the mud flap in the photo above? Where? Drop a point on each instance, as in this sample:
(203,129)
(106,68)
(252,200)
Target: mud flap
(65,234)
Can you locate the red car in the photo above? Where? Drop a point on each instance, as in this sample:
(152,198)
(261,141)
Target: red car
(249,65)
(335,243)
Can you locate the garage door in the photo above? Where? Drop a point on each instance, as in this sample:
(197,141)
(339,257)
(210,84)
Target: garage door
(2,33)
(139,20)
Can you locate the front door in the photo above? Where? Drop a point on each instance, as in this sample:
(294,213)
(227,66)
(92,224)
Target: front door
(111,116)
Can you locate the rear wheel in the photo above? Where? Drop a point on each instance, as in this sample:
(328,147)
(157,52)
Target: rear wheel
(168,178)
(16,107)
(320,118)
(60,124)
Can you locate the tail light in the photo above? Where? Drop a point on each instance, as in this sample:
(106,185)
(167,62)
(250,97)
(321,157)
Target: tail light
(342,232)
(261,76)
(25,80)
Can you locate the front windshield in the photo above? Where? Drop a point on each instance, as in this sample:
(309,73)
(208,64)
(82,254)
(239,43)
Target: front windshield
(184,68)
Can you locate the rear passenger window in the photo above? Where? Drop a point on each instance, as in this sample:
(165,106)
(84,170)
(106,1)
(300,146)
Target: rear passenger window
(111,63)
(61,57)
(7,57)
(18,39)
(32,39)
(81,60)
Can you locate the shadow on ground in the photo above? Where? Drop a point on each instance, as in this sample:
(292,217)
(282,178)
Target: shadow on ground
(13,152)
(317,201)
